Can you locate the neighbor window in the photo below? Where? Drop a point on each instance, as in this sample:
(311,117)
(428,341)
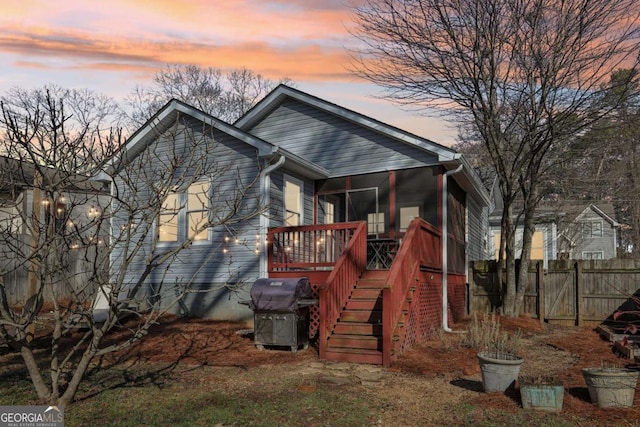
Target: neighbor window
(293,193)
(592,255)
(591,229)
(185,215)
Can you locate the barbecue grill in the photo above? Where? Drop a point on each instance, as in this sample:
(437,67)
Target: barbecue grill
(281,312)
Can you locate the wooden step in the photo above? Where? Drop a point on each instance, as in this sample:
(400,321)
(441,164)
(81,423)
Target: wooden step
(363,316)
(375,274)
(370,284)
(355,342)
(364,304)
(366,294)
(373,357)
(354,328)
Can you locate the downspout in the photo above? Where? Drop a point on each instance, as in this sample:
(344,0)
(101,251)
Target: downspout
(445,267)
(265,195)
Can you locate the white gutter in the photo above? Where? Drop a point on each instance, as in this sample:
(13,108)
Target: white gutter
(265,193)
(445,267)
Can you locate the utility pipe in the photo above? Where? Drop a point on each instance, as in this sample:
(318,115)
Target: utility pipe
(265,193)
(445,267)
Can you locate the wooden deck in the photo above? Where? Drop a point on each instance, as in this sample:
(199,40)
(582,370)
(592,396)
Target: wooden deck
(366,314)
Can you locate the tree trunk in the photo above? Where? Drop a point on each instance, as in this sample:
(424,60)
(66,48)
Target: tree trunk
(42,390)
(509,232)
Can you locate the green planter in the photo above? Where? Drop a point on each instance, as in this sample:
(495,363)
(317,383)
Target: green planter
(499,371)
(611,387)
(542,397)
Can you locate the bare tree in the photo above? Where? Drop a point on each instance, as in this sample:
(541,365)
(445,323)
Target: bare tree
(80,223)
(225,96)
(523,73)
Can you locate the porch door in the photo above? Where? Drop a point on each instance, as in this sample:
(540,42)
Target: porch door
(362,205)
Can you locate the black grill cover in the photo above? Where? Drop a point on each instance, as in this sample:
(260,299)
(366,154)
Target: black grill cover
(279,294)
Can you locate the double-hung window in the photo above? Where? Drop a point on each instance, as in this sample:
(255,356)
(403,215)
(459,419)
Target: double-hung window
(198,211)
(185,215)
(293,194)
(591,229)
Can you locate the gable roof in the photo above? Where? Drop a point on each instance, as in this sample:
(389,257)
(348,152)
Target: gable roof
(604,210)
(169,113)
(450,159)
(275,98)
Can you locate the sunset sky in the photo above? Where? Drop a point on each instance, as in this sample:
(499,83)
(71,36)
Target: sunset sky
(112,45)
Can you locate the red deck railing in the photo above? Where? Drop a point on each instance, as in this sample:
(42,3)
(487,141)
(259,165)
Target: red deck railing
(308,247)
(333,256)
(420,250)
(335,293)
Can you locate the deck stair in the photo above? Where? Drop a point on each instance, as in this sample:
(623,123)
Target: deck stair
(357,336)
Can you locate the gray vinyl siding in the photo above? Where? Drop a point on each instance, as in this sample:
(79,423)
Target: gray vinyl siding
(342,147)
(605,243)
(478,226)
(225,266)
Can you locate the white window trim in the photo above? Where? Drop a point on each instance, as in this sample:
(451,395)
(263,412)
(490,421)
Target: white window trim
(593,252)
(299,183)
(182,215)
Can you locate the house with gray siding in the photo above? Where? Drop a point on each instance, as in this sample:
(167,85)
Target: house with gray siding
(588,232)
(45,210)
(300,161)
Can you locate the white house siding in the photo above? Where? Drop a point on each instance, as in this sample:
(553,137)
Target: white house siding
(227,265)
(342,147)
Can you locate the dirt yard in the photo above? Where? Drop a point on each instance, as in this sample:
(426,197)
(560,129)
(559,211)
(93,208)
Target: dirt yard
(419,389)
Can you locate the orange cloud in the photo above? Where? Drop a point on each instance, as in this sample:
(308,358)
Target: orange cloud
(296,62)
(302,40)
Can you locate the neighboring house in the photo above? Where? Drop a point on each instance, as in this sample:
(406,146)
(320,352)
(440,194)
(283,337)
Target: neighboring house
(562,231)
(318,169)
(588,232)
(545,237)
(68,207)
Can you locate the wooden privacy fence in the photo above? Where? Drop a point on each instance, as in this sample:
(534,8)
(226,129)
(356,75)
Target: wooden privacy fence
(568,292)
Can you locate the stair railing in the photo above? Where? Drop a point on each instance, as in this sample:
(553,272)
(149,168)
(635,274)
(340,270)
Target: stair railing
(420,248)
(336,291)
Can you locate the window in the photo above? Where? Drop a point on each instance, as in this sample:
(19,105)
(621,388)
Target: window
(293,192)
(168,222)
(375,223)
(591,229)
(198,211)
(537,245)
(329,213)
(407,215)
(186,215)
(592,255)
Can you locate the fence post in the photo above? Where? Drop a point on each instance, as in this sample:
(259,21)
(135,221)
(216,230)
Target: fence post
(541,303)
(578,269)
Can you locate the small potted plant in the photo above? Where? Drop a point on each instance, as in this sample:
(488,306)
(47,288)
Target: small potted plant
(497,353)
(541,392)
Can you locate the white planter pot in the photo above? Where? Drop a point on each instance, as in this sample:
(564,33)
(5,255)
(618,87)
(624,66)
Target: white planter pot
(611,387)
(499,371)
